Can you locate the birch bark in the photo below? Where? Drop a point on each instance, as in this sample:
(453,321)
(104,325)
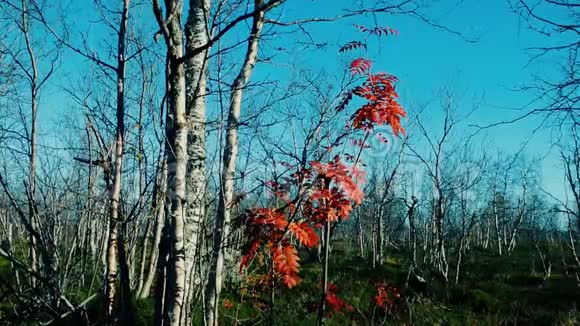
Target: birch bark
(226,196)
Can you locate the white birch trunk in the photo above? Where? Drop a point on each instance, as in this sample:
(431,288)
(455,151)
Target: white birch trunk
(115,194)
(196,35)
(159,222)
(223,219)
(176,146)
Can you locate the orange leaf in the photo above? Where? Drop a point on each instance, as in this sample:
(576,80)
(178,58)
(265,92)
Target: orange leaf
(286,263)
(228,304)
(304,233)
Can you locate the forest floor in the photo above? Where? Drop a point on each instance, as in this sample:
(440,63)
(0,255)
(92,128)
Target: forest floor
(493,290)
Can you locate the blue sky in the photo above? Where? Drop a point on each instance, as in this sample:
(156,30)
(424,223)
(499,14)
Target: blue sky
(423,57)
(426,58)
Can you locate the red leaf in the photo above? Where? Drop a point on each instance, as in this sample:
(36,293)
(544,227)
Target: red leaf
(304,233)
(360,66)
(386,296)
(228,304)
(382,107)
(339,173)
(286,263)
(250,255)
(335,304)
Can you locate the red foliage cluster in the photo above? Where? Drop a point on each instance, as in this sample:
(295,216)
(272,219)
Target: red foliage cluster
(286,259)
(382,107)
(330,199)
(386,296)
(378,90)
(334,303)
(360,66)
(342,176)
(323,191)
(228,304)
(304,233)
(268,227)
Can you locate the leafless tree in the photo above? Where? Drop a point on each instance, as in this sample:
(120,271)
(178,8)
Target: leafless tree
(440,151)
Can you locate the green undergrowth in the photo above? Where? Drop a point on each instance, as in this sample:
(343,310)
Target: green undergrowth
(492,290)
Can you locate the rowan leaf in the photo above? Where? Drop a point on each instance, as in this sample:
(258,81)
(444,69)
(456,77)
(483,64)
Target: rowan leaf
(304,233)
(286,260)
(353,45)
(360,66)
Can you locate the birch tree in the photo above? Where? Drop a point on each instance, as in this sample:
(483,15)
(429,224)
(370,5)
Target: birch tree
(439,151)
(226,194)
(115,192)
(176,129)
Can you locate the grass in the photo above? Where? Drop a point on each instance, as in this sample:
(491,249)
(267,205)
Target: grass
(493,290)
